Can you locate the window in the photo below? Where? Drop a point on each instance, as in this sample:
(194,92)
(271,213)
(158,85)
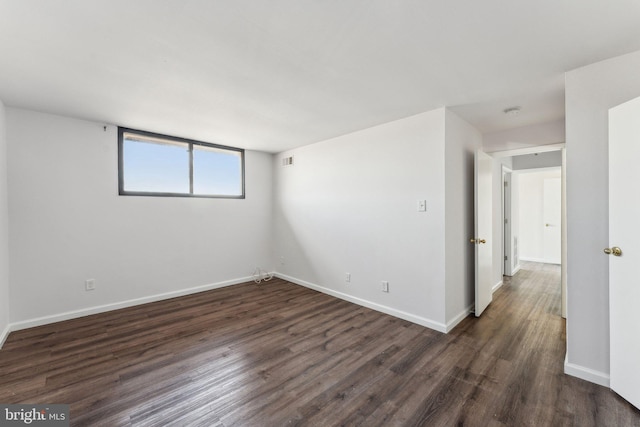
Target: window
(158,165)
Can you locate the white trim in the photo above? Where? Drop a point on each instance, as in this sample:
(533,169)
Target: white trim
(540,260)
(586,374)
(496,287)
(515,270)
(538,170)
(506,229)
(459,318)
(432,324)
(5,334)
(45,320)
(528,150)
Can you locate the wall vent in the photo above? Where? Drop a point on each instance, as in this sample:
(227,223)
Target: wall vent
(287,161)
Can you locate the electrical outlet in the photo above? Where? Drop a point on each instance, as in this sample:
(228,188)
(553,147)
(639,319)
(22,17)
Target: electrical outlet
(348,277)
(385,286)
(422,205)
(89,284)
(281,260)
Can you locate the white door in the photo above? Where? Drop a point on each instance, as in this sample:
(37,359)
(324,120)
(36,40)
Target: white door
(483,230)
(551,215)
(624,236)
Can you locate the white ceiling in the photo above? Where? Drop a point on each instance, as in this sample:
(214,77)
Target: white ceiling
(275,74)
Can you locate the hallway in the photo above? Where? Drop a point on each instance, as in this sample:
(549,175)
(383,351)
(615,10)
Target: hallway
(521,339)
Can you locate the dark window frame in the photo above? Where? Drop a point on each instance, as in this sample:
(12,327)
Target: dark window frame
(189,143)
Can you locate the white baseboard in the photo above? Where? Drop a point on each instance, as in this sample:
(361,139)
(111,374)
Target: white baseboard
(540,260)
(4,334)
(45,320)
(513,273)
(459,318)
(496,287)
(586,374)
(432,324)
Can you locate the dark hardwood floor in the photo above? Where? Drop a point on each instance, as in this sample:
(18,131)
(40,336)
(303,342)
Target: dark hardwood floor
(278,354)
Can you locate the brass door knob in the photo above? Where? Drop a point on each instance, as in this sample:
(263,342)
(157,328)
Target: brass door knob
(615,251)
(477,241)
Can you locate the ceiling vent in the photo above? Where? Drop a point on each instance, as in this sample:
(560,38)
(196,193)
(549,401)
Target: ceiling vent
(287,161)
(512,111)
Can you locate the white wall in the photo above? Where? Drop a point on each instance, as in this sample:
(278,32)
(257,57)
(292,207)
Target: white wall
(524,137)
(538,160)
(590,92)
(461,141)
(68,224)
(531,219)
(349,205)
(4,231)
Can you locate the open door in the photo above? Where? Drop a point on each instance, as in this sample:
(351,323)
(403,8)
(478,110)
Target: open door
(483,218)
(624,249)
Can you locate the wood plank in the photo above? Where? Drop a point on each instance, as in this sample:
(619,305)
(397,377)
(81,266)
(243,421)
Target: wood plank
(279,354)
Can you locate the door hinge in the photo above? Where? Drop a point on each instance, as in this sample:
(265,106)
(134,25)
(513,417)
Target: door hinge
(506,221)
(506,183)
(506,258)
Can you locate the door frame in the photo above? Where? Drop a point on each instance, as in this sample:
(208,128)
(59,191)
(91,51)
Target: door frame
(507,222)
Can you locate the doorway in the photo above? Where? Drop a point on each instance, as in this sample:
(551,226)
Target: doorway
(509,244)
(539,192)
(550,230)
